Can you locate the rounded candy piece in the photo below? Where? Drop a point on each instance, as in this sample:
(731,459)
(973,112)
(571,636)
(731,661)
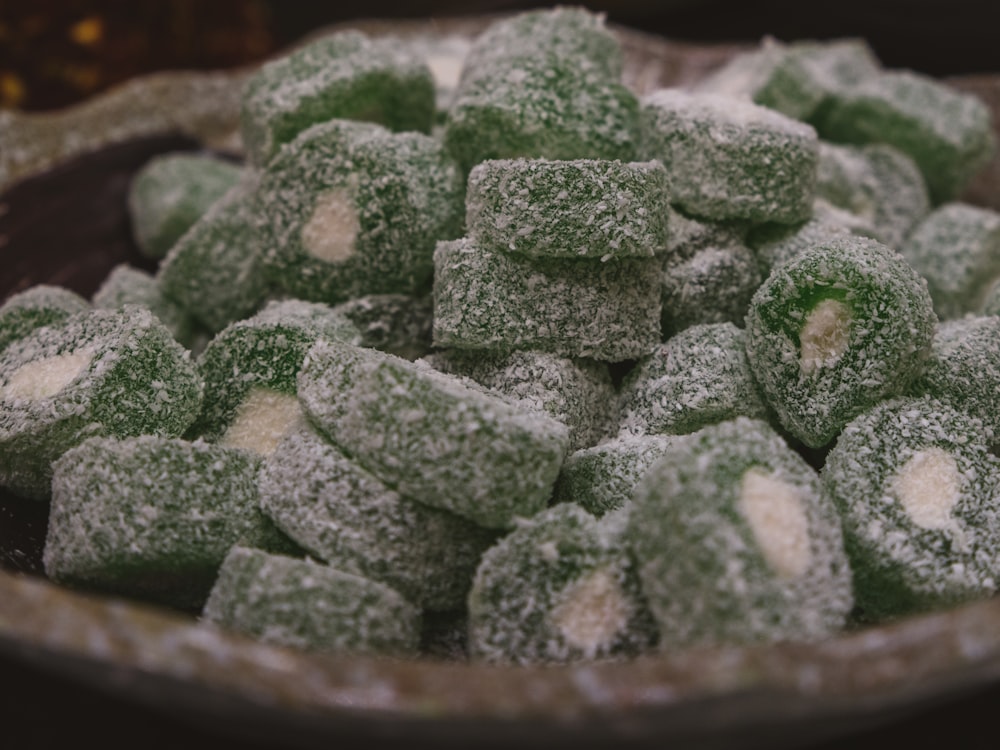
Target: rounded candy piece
(833,331)
(304,604)
(102,372)
(736,541)
(560,587)
(915,486)
(37,306)
(151,517)
(584,208)
(171,192)
(431,436)
(731,159)
(345,516)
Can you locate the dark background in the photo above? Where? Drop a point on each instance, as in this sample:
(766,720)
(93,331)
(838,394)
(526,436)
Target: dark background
(54,53)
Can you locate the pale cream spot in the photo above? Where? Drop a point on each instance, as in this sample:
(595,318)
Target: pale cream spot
(777,518)
(825,335)
(262,420)
(446,69)
(591,612)
(333,227)
(46,377)
(928,485)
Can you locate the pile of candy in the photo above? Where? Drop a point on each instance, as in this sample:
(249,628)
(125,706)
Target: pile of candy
(528,366)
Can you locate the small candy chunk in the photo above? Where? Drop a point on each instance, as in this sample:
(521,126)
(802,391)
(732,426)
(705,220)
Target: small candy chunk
(731,159)
(948,133)
(878,183)
(915,485)
(349,209)
(303,604)
(399,324)
(103,372)
(794,79)
(173,191)
(963,369)
(37,306)
(957,249)
(697,377)
(775,244)
(708,275)
(559,588)
(603,477)
(126,285)
(736,541)
(346,76)
(576,308)
(833,331)
(577,392)
(431,436)
(584,208)
(151,517)
(250,370)
(345,516)
(213,270)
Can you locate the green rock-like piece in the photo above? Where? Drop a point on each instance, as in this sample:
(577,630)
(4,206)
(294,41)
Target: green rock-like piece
(151,517)
(349,209)
(963,369)
(214,271)
(915,486)
(576,308)
(729,158)
(736,541)
(584,208)
(345,516)
(433,437)
(37,306)
(171,192)
(577,392)
(251,368)
(399,324)
(957,249)
(795,79)
(876,182)
(833,331)
(304,604)
(559,588)
(345,75)
(698,377)
(603,477)
(127,285)
(117,373)
(948,133)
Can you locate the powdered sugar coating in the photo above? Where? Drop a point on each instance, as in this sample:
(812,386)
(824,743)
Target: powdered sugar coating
(887,329)
(729,158)
(501,302)
(345,516)
(151,517)
(578,392)
(431,437)
(399,324)
(706,571)
(901,566)
(559,587)
(128,285)
(137,380)
(344,75)
(304,604)
(37,306)
(583,208)
(697,377)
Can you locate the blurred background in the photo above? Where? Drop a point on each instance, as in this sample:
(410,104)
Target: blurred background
(56,52)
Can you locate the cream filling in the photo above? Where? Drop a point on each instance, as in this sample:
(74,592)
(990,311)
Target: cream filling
(331,231)
(262,420)
(774,510)
(591,613)
(825,335)
(928,486)
(43,378)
